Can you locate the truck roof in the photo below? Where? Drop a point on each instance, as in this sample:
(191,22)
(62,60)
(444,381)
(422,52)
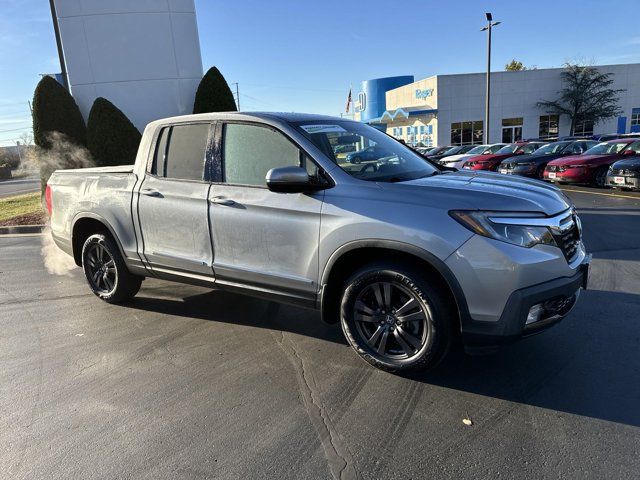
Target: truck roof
(282,116)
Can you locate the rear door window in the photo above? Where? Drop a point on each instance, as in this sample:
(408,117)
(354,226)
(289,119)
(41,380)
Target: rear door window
(181,152)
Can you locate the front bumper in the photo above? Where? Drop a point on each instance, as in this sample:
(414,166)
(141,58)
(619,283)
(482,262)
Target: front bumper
(501,282)
(570,175)
(556,298)
(625,182)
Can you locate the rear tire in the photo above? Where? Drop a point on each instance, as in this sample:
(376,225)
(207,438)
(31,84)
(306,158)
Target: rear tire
(394,319)
(106,272)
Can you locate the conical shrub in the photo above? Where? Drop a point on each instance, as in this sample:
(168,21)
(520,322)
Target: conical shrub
(213,94)
(111,137)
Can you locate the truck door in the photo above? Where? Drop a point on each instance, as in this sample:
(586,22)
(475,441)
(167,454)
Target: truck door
(261,239)
(173,206)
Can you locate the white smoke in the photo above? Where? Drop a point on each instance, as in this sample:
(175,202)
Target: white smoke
(55,260)
(63,154)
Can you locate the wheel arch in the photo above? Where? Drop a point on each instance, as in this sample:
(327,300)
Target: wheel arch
(86,224)
(358,253)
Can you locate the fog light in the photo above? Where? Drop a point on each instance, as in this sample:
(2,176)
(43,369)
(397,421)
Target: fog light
(534,314)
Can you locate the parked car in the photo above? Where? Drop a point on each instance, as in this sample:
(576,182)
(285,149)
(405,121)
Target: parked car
(614,136)
(490,161)
(457,161)
(404,257)
(456,150)
(625,174)
(424,150)
(435,151)
(372,152)
(533,165)
(591,167)
(344,148)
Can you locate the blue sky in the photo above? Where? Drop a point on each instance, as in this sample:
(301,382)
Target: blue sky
(293,55)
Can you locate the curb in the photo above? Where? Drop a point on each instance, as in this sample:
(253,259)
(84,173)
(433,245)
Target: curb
(21,229)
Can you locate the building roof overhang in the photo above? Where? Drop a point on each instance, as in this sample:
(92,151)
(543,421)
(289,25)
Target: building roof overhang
(403,113)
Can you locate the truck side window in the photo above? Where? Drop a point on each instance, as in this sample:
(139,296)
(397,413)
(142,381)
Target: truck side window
(161,150)
(186,153)
(250,151)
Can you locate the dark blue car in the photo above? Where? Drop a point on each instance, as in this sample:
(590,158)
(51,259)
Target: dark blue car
(373,152)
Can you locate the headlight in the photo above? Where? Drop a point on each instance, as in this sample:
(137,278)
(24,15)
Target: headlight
(522,235)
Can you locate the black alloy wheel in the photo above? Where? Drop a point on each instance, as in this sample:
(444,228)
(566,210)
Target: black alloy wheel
(395,319)
(105,270)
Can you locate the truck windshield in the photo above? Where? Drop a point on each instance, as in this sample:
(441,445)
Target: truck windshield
(372,155)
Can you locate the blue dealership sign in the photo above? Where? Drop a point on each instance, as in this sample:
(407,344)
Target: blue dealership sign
(424,93)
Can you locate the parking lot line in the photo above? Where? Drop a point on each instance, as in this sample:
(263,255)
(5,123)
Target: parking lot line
(598,193)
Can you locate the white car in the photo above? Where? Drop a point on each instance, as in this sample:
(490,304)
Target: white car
(457,161)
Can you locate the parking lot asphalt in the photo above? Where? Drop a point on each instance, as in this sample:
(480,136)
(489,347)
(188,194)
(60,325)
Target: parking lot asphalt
(188,383)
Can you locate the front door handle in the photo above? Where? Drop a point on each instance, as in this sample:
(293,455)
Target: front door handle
(150,192)
(222,201)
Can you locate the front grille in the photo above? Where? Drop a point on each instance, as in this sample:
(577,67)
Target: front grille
(568,236)
(508,166)
(556,168)
(624,173)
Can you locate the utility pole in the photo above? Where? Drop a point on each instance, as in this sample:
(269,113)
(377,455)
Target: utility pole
(490,23)
(237,94)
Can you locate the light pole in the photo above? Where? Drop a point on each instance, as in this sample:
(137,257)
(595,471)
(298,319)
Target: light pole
(490,23)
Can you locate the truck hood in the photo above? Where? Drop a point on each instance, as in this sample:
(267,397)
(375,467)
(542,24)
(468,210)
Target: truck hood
(477,190)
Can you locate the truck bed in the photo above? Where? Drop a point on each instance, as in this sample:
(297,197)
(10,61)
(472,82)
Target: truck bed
(114,169)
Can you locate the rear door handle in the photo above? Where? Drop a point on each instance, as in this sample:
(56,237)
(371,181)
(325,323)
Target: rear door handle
(222,201)
(150,192)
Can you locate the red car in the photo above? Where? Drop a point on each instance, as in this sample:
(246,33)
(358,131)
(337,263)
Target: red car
(591,166)
(492,160)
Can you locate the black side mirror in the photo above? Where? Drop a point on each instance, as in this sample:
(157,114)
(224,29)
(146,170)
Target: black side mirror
(290,180)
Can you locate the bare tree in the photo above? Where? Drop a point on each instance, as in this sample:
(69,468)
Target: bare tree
(586,96)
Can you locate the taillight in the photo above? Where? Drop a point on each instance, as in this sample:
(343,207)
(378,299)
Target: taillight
(47,199)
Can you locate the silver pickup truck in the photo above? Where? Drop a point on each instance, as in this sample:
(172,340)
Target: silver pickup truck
(407,256)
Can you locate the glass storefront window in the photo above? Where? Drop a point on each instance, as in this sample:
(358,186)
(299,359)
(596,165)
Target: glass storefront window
(635,118)
(466,133)
(583,128)
(511,129)
(548,126)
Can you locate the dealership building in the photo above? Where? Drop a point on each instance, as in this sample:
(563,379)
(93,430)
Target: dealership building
(450,109)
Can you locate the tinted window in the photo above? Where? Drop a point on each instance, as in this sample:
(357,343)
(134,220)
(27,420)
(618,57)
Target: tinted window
(186,152)
(251,151)
(161,149)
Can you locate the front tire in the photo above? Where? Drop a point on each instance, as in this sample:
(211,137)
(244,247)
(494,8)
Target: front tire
(394,319)
(106,272)
(600,177)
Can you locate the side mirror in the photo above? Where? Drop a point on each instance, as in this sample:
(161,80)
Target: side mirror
(629,152)
(289,180)
(520,152)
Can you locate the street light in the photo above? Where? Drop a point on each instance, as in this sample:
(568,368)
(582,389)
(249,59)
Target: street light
(490,23)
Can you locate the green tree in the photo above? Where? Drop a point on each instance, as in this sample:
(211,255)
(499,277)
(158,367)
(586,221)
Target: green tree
(213,94)
(586,96)
(111,137)
(55,110)
(514,66)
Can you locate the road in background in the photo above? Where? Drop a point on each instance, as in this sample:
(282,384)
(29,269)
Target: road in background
(188,383)
(9,188)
